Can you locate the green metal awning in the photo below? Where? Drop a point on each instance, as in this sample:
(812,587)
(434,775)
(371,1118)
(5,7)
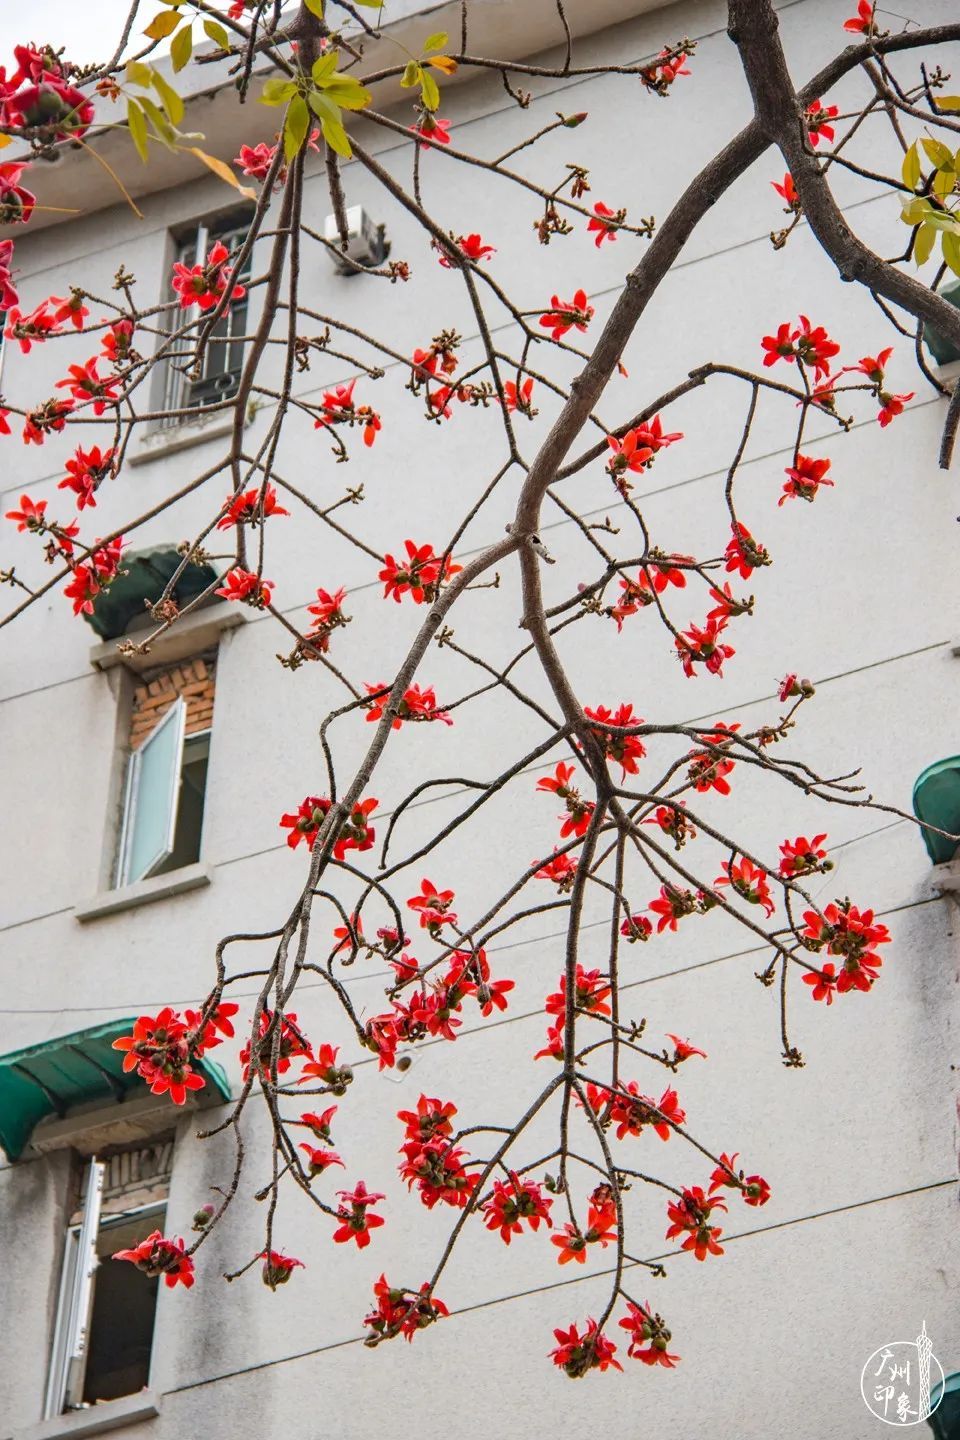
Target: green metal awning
(936,800)
(143,577)
(50,1078)
(944,351)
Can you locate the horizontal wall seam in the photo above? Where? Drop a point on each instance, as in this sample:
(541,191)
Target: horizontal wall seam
(567,1283)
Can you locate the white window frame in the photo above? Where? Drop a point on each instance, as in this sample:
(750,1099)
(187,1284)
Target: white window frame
(71,1336)
(176,716)
(72,1332)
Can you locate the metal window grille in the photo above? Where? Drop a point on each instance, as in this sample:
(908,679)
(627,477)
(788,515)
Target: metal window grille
(223,358)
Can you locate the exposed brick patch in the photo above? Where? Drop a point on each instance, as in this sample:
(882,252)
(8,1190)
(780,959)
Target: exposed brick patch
(194,679)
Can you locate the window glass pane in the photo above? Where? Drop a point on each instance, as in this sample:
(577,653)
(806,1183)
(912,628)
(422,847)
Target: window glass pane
(124,1311)
(193,785)
(152,798)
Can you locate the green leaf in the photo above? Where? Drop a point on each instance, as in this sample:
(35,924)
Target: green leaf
(336,137)
(181,46)
(371,5)
(939,153)
(429,90)
(217,34)
(295,127)
(926,236)
(348,93)
(411,75)
(137,122)
(162,25)
(139,74)
(324,109)
(435,42)
(325,65)
(315,7)
(951,252)
(169,98)
(911,171)
(278,92)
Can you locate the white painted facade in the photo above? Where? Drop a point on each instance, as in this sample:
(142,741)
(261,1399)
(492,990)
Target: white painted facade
(859,1243)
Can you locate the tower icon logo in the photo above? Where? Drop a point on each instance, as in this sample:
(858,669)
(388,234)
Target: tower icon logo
(897,1380)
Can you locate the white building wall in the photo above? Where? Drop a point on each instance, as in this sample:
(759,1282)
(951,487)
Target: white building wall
(858,1243)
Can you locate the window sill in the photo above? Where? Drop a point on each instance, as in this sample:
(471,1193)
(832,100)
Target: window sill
(111,1415)
(144,892)
(168,439)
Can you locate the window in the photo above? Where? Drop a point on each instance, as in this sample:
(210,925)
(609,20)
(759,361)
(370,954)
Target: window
(106,1308)
(166,777)
(223,357)
(163,806)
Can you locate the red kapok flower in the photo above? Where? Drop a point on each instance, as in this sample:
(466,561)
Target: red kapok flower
(86,469)
(401,1312)
(649,1337)
(565,315)
(579,1354)
(817,117)
(788,191)
(514,1202)
(356,1223)
(243,585)
(863,22)
(471,245)
(432,131)
(749,881)
(159,1256)
(206,284)
(30,514)
(805,478)
(278,1268)
(802,856)
(249,507)
(691,1215)
(683,1049)
(605,223)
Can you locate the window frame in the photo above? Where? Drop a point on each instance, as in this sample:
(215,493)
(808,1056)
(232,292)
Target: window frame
(176,716)
(70,1342)
(191,248)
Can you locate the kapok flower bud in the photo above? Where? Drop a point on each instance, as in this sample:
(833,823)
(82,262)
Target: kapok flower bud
(203,1217)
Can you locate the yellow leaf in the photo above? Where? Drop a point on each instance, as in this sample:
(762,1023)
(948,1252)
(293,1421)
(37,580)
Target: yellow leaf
(911,167)
(223,171)
(429,91)
(137,122)
(948,102)
(170,100)
(446,63)
(181,47)
(923,245)
(162,25)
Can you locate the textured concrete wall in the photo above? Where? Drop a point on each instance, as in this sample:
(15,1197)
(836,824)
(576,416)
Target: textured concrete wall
(858,1243)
